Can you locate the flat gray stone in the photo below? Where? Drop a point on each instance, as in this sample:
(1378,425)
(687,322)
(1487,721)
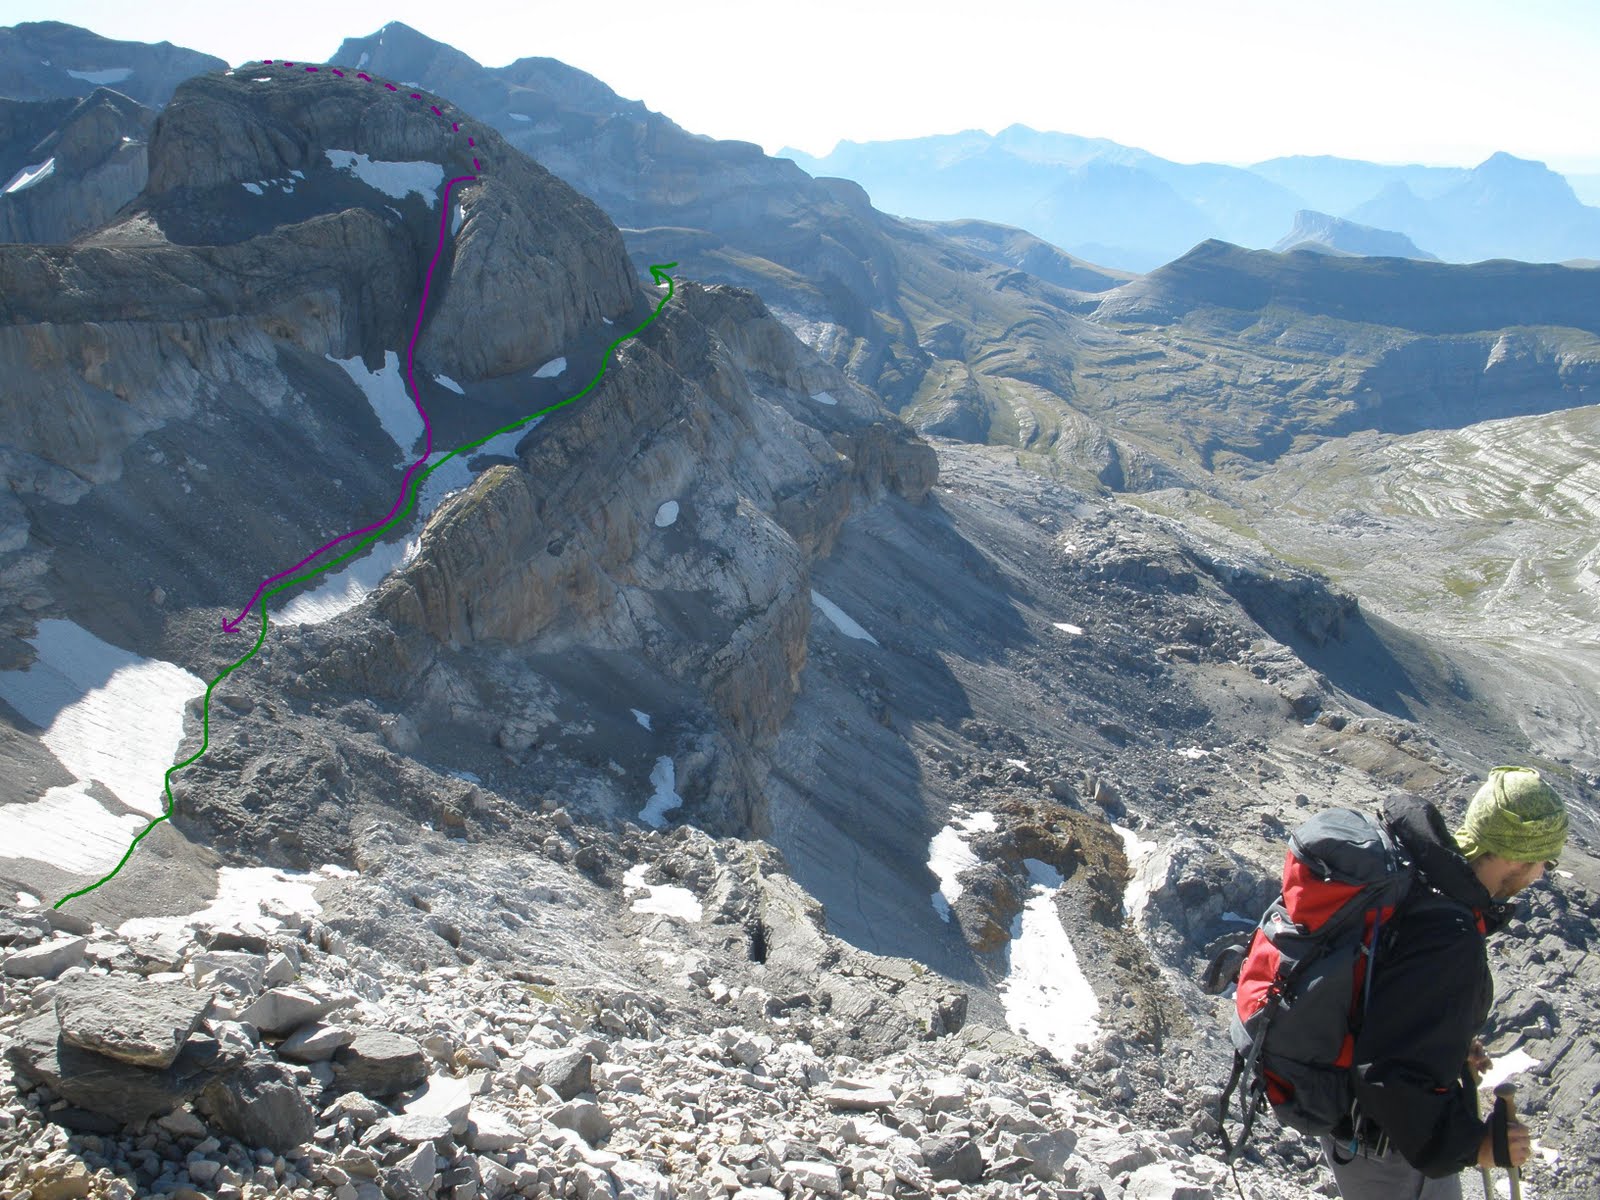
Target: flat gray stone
(315,1043)
(411,1128)
(129,1019)
(46,960)
(281,1010)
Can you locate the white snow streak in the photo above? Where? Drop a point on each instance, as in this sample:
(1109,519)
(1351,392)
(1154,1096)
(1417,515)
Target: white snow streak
(519,116)
(29,176)
(1074,630)
(385,390)
(114,75)
(842,623)
(642,717)
(664,779)
(397,179)
(446,381)
(551,369)
(823,398)
(1046,996)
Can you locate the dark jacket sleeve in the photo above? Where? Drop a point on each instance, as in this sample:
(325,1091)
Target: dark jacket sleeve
(1430,997)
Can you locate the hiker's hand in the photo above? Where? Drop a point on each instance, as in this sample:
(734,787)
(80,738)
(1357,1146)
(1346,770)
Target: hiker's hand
(1478,1060)
(1518,1142)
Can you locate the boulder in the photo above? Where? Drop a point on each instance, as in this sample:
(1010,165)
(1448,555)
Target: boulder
(379,1063)
(956,1158)
(852,1095)
(237,970)
(315,1042)
(411,1128)
(584,1118)
(1157,1181)
(260,1105)
(282,1009)
(46,960)
(819,1178)
(130,1020)
(489,1131)
(567,1072)
(447,1098)
(118,1090)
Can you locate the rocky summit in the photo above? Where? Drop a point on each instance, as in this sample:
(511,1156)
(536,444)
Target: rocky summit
(801,703)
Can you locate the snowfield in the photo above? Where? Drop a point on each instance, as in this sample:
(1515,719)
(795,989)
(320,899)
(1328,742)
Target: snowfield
(112,719)
(1046,996)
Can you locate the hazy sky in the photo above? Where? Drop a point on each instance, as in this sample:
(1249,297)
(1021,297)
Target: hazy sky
(1433,81)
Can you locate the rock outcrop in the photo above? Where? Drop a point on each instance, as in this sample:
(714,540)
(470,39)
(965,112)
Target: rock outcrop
(68,167)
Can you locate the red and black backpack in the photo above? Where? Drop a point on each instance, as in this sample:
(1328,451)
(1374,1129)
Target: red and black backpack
(1306,974)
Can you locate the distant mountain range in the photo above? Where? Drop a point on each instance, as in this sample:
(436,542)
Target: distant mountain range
(1128,208)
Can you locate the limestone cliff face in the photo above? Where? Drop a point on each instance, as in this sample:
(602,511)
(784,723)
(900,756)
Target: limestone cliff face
(710,414)
(524,234)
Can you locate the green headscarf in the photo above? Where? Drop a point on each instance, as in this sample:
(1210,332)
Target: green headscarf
(1516,815)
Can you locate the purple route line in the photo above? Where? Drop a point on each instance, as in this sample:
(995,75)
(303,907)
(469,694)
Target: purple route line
(416,395)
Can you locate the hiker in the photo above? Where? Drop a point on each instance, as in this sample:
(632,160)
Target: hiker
(1417,1055)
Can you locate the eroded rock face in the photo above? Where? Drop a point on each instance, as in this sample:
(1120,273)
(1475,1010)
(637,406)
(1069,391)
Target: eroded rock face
(572,542)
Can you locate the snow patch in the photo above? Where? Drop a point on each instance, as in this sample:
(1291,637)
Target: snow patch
(107,714)
(949,857)
(841,622)
(456,221)
(363,60)
(551,369)
(823,398)
(608,320)
(667,514)
(248,899)
(1136,894)
(642,717)
(397,179)
(1046,996)
(664,779)
(385,390)
(114,75)
(519,116)
(446,381)
(1505,1066)
(254,188)
(29,176)
(1194,752)
(1074,630)
(664,898)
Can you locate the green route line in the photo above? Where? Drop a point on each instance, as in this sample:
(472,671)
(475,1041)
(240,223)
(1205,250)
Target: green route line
(658,272)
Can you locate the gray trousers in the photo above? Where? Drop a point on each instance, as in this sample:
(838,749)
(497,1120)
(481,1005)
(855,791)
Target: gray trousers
(1388,1178)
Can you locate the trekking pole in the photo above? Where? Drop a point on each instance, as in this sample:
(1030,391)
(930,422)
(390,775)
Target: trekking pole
(1506,1094)
(1477,1110)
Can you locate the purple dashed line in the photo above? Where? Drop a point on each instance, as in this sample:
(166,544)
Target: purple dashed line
(416,395)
